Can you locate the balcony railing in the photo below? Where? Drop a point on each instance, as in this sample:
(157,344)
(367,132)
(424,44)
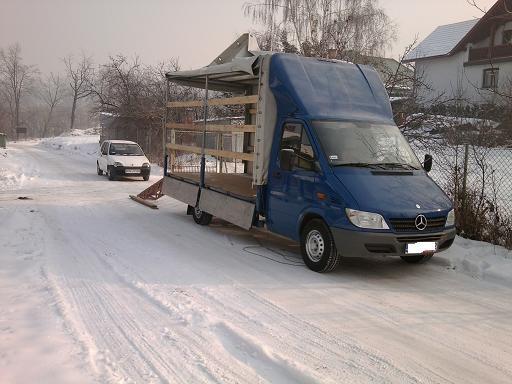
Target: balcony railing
(497,52)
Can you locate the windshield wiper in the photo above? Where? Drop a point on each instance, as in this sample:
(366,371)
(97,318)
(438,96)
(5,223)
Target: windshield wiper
(399,165)
(359,165)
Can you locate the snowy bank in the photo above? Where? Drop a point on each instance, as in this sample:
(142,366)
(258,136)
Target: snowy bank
(80,144)
(12,175)
(482,261)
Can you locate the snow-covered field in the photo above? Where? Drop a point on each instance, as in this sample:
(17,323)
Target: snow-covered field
(98,289)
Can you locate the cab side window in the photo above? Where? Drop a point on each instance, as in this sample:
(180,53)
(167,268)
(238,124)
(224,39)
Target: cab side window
(295,137)
(104,148)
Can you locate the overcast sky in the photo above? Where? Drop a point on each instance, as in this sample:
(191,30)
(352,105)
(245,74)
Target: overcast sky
(193,30)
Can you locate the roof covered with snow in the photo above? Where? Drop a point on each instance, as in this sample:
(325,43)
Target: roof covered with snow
(442,41)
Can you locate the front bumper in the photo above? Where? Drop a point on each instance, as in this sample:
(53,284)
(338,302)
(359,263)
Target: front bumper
(355,243)
(130,171)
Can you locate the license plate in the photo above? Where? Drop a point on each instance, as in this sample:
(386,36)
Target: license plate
(131,171)
(419,248)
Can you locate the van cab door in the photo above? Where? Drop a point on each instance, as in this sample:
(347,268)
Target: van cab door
(292,190)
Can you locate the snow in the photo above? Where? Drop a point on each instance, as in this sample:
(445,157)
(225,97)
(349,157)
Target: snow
(481,261)
(442,40)
(98,289)
(432,124)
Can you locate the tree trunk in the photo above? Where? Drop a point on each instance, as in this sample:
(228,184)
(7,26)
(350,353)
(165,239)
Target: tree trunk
(73,108)
(17,119)
(47,121)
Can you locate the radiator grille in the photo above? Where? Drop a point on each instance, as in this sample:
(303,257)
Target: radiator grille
(409,225)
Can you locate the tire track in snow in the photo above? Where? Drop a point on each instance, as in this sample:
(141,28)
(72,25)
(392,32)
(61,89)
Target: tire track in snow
(119,321)
(292,342)
(114,323)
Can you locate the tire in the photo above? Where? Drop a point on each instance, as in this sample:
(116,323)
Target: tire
(98,170)
(200,217)
(145,178)
(318,248)
(417,259)
(110,174)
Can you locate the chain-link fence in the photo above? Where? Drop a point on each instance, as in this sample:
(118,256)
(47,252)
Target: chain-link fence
(478,178)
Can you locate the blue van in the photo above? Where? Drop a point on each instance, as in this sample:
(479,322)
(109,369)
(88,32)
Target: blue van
(323,161)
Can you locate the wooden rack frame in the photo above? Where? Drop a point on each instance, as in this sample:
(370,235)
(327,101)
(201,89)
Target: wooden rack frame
(212,152)
(211,128)
(239,100)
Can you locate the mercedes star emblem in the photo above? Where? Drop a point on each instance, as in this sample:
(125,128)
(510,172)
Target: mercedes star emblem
(421,222)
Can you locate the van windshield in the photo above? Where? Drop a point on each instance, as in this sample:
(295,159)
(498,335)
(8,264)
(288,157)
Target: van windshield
(365,145)
(124,149)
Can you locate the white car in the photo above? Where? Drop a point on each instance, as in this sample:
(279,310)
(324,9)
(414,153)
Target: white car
(122,158)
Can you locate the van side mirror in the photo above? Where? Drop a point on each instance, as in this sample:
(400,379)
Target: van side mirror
(427,163)
(287,159)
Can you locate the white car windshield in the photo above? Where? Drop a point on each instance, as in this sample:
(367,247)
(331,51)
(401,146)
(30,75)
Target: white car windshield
(365,145)
(124,149)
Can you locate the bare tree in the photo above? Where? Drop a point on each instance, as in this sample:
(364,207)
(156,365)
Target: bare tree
(341,29)
(16,79)
(80,75)
(129,88)
(51,93)
(474,4)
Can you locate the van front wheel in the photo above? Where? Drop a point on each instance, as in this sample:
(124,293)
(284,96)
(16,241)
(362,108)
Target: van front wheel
(317,247)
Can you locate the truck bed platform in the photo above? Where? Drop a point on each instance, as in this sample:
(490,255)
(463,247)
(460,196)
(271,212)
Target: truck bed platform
(232,184)
(225,195)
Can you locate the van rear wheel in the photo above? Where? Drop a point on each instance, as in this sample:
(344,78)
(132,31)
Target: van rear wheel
(201,217)
(318,248)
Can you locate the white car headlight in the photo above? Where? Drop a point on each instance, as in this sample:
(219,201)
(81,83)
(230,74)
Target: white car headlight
(450,219)
(366,220)
(118,164)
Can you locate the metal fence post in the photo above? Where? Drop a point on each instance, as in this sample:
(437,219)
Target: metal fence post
(164,121)
(203,146)
(465,176)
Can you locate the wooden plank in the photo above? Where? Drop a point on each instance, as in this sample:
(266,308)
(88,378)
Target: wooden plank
(253,111)
(212,127)
(147,203)
(212,152)
(224,101)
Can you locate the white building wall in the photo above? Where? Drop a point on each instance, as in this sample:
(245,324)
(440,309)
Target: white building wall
(443,78)
(448,79)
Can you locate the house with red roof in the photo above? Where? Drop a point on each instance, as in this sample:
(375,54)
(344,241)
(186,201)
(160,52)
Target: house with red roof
(469,62)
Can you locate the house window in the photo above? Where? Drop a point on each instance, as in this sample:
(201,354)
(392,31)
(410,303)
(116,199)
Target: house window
(491,78)
(507,37)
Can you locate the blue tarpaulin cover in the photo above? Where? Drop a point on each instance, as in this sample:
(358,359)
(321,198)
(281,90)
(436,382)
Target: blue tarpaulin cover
(328,90)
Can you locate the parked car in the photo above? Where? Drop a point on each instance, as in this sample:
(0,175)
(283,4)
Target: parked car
(122,158)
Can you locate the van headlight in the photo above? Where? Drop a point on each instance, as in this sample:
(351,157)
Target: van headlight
(118,164)
(145,165)
(450,219)
(366,220)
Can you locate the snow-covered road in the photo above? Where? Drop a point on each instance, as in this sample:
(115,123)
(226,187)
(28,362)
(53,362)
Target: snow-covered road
(96,288)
